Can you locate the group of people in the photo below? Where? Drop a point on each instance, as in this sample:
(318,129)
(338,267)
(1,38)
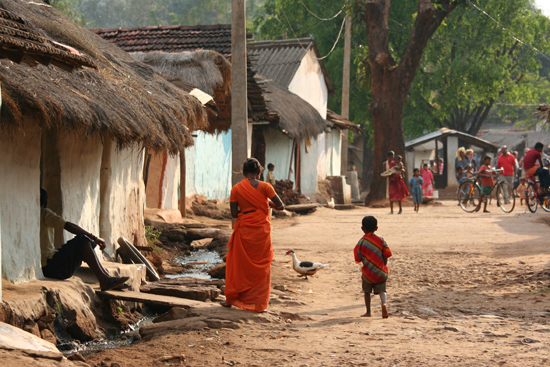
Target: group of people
(421,183)
(512,171)
(248,264)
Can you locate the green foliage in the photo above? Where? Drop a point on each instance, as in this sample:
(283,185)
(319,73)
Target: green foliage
(278,19)
(70,9)
(474,62)
(152,235)
(142,13)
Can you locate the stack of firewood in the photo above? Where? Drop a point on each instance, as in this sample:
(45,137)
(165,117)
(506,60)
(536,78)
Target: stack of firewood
(284,189)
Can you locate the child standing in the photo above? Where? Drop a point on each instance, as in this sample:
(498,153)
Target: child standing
(270,176)
(486,174)
(520,191)
(373,252)
(416,188)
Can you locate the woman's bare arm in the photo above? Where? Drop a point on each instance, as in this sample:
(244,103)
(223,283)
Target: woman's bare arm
(276,203)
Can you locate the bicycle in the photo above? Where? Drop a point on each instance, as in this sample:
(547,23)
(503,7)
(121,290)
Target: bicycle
(534,195)
(469,193)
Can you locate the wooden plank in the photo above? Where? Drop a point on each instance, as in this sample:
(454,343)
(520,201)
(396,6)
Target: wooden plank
(150,298)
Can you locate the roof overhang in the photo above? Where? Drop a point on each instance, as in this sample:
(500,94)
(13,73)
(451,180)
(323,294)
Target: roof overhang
(427,142)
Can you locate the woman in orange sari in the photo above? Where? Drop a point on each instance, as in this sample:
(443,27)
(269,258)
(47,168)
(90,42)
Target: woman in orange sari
(248,263)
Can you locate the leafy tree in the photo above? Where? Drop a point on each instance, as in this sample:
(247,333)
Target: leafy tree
(70,9)
(141,13)
(473,63)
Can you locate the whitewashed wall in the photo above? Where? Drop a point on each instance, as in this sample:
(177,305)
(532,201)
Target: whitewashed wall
(80,162)
(171,182)
(309,83)
(333,152)
(208,166)
(122,207)
(309,166)
(278,150)
(20,209)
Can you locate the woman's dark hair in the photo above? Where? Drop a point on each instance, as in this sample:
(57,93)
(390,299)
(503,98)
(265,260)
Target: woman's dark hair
(252,165)
(416,169)
(486,157)
(539,145)
(270,166)
(389,153)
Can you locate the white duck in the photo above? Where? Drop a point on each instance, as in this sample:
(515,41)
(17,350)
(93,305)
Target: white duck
(330,204)
(304,268)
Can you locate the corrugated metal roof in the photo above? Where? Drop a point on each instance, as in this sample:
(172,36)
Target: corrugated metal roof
(415,144)
(279,60)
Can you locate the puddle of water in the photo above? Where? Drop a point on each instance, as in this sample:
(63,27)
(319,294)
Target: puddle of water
(210,258)
(126,337)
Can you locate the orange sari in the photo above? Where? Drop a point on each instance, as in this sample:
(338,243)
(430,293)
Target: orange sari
(248,264)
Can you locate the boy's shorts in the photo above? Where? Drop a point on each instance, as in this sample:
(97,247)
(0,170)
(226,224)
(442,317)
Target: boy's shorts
(486,190)
(369,287)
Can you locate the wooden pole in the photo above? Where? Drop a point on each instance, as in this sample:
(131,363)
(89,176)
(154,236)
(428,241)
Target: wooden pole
(239,105)
(345,94)
(182,183)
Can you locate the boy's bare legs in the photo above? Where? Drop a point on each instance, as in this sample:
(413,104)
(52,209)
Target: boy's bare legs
(391,207)
(400,209)
(367,304)
(383,302)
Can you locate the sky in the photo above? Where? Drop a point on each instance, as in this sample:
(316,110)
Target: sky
(544,5)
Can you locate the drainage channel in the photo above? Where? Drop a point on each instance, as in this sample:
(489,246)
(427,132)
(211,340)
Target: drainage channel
(196,265)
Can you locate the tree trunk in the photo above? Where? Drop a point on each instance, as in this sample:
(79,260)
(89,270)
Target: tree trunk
(387,119)
(391,81)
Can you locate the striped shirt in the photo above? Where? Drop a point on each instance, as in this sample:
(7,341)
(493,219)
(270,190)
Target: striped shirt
(372,250)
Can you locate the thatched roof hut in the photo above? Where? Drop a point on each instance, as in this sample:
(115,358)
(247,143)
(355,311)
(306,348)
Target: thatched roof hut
(207,70)
(120,98)
(298,119)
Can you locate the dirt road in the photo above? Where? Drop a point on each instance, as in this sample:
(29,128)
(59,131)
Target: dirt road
(464,290)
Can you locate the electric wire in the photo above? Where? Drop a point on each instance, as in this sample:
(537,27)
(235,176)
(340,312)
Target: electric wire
(324,19)
(297,39)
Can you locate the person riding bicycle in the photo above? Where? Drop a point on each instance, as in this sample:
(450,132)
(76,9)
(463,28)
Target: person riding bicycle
(532,162)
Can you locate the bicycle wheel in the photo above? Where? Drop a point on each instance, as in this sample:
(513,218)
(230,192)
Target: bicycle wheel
(545,204)
(531,197)
(505,197)
(468,196)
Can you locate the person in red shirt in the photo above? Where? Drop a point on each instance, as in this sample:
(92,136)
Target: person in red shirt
(532,163)
(486,174)
(508,163)
(373,252)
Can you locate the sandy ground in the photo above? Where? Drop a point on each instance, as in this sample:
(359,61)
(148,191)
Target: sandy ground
(464,290)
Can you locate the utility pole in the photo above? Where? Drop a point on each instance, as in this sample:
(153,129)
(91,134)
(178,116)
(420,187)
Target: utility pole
(239,105)
(345,94)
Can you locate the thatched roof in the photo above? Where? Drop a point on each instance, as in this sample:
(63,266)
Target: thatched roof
(298,119)
(342,123)
(122,99)
(208,70)
(21,44)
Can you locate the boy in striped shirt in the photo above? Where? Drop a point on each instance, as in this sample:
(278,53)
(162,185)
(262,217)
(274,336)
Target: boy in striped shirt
(373,252)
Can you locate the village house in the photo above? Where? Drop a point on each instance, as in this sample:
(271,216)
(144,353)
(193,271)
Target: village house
(77,113)
(282,124)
